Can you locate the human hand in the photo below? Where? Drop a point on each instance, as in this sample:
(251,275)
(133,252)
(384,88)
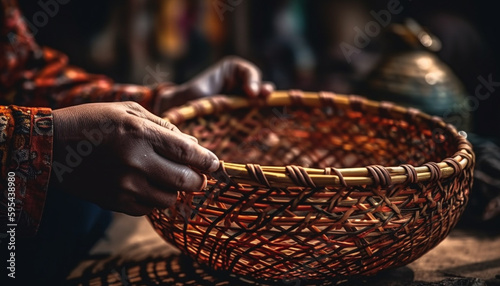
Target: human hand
(231,75)
(123,158)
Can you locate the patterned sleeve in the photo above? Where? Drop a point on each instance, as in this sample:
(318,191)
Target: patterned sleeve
(25,163)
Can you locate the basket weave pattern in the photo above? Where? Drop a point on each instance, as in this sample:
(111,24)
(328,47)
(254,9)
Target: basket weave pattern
(317,185)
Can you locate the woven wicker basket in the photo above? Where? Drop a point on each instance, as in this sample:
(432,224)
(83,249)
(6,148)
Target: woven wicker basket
(317,185)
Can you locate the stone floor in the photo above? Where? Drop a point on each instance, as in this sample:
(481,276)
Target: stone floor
(133,254)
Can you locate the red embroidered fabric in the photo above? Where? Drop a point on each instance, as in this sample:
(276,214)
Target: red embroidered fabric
(40,79)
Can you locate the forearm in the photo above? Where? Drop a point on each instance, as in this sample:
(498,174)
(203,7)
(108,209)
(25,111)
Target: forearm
(58,84)
(55,84)
(35,76)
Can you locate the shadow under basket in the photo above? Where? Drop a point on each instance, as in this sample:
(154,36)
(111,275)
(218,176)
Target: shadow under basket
(317,186)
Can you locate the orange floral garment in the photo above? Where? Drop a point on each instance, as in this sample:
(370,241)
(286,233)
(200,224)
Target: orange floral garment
(39,79)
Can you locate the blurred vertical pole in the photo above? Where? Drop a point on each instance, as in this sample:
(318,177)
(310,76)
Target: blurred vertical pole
(139,32)
(169,35)
(241,31)
(214,28)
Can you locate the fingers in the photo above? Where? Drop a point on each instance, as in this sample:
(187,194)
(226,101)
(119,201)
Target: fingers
(169,126)
(155,185)
(232,75)
(157,197)
(137,210)
(137,110)
(251,78)
(165,181)
(140,192)
(267,88)
(171,176)
(177,148)
(264,89)
(141,112)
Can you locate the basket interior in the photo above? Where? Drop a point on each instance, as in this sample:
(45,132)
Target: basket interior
(315,232)
(316,138)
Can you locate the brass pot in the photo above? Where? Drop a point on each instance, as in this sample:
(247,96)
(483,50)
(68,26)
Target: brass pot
(411,74)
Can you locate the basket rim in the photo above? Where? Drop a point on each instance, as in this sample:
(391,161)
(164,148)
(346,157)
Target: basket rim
(290,176)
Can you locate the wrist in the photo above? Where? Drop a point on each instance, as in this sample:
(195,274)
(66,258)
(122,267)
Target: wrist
(163,94)
(56,144)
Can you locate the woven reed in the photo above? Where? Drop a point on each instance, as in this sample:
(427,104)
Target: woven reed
(317,185)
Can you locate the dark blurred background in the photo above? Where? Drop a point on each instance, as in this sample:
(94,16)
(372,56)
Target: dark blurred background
(296,43)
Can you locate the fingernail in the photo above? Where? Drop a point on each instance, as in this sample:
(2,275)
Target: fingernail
(254,87)
(215,165)
(192,138)
(205,182)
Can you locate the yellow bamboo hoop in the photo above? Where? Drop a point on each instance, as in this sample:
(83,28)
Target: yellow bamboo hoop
(277,175)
